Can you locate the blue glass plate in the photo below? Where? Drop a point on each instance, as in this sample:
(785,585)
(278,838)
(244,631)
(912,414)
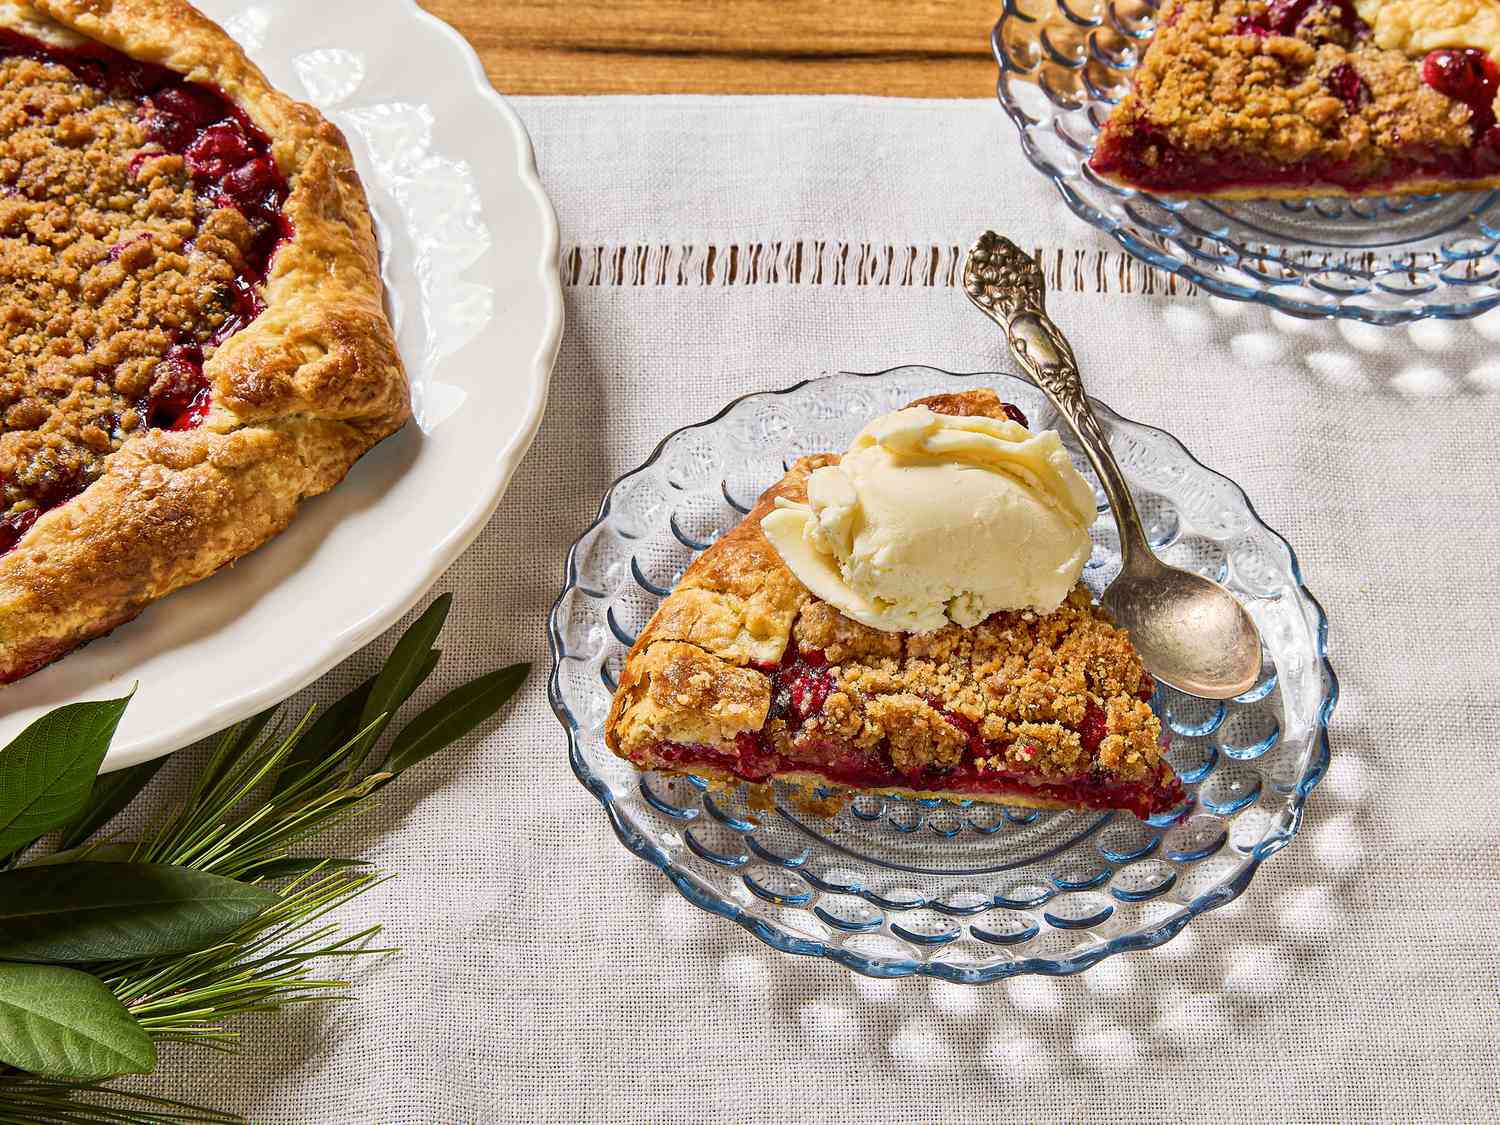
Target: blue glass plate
(966,892)
(1064,64)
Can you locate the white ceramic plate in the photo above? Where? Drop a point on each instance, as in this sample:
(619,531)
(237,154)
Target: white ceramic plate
(470,251)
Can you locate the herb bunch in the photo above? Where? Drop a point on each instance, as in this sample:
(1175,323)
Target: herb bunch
(110,947)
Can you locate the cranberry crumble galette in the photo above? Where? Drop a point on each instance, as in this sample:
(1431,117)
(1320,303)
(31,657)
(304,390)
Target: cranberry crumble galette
(745,674)
(1284,98)
(190,314)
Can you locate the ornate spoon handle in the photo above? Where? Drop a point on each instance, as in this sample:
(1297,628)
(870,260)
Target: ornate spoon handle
(1007,285)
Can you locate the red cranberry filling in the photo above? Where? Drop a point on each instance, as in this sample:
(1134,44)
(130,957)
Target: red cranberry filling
(800,687)
(231,162)
(1093,729)
(193,104)
(15,525)
(217,151)
(228,157)
(1146,158)
(845,766)
(1283,17)
(1345,84)
(1467,76)
(182,397)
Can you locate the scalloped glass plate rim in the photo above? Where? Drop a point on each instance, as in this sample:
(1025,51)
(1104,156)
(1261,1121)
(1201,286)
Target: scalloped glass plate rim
(886,968)
(1121,233)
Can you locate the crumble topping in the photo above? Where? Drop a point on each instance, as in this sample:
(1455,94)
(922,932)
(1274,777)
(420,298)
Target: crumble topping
(1021,680)
(692,696)
(1054,695)
(1217,77)
(110,265)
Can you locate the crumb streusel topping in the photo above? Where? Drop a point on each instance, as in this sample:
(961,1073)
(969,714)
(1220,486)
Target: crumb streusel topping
(111,264)
(1026,684)
(1285,93)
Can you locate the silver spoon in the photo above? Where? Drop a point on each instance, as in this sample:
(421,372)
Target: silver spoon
(1192,633)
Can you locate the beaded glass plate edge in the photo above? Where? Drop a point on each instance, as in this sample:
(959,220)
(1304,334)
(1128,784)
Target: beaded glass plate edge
(775,916)
(1063,64)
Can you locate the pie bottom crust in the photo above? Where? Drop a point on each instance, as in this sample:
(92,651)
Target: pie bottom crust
(811,780)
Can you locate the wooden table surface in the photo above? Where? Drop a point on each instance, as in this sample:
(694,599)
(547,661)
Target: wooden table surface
(908,48)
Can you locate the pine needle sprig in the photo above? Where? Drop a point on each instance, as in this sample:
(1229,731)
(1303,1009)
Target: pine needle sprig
(267,966)
(261,793)
(48,1101)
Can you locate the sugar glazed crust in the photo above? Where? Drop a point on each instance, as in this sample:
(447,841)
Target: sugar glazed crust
(296,396)
(701,674)
(1216,85)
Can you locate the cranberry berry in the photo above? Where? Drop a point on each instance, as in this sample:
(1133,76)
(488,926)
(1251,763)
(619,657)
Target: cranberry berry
(173,133)
(1345,83)
(1283,17)
(252,183)
(193,104)
(219,150)
(179,394)
(1465,75)
(1093,729)
(15,525)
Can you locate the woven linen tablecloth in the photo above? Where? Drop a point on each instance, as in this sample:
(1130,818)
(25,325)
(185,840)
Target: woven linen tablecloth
(717,246)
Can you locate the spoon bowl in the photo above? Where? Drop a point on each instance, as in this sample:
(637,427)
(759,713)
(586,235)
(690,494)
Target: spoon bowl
(1192,633)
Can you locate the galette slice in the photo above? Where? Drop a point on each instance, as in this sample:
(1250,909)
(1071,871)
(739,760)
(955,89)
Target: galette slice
(1293,98)
(744,676)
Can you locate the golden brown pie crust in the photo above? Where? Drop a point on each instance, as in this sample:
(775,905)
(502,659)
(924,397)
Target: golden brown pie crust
(298,395)
(699,674)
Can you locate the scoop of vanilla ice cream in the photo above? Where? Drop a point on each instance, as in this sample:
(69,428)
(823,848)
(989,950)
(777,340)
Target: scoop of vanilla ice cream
(931,518)
(1419,26)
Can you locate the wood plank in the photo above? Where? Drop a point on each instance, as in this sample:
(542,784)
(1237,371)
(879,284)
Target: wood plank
(919,48)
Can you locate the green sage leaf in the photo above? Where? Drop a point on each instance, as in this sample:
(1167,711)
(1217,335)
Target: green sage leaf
(337,726)
(454,716)
(107,852)
(80,912)
(64,1023)
(46,773)
(249,731)
(410,662)
(329,731)
(110,794)
(427,668)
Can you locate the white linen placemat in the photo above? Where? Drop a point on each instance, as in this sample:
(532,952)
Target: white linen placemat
(714,246)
